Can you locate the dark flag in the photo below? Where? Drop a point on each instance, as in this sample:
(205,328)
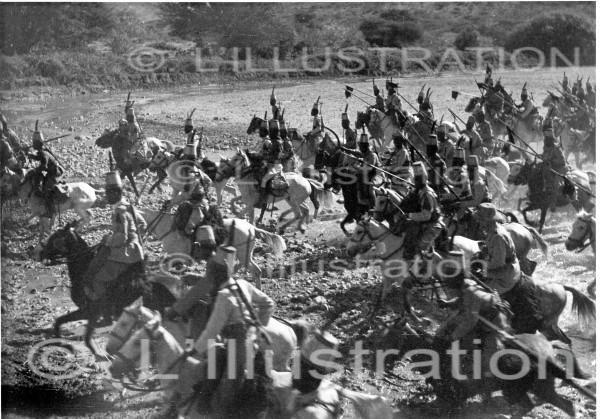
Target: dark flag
(455,94)
(348,92)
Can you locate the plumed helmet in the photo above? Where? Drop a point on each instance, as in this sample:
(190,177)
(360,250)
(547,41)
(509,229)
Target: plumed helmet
(189,122)
(364,138)
(488,212)
(350,138)
(225,256)
(189,150)
(524,93)
(459,157)
(421,95)
(263,130)
(419,170)
(471,120)
(315,109)
(547,127)
(130,114)
(472,161)
(37,138)
(273,99)
(205,234)
(432,140)
(282,129)
(113,180)
(565,81)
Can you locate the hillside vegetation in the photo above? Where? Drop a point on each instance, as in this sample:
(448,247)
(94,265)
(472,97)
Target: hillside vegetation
(89,44)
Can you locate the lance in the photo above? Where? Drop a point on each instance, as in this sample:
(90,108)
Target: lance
(348,93)
(455,94)
(536,155)
(359,91)
(350,153)
(457,117)
(411,105)
(514,340)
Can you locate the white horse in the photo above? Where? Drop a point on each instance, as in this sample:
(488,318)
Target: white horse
(374,240)
(298,191)
(161,226)
(80,198)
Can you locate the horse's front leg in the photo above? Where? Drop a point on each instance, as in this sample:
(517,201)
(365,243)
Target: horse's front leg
(89,330)
(160,179)
(543,213)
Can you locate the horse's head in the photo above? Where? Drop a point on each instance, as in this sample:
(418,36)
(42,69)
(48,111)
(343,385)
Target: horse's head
(382,202)
(254,126)
(129,354)
(365,235)
(63,243)
(132,318)
(551,99)
(519,173)
(583,229)
(473,102)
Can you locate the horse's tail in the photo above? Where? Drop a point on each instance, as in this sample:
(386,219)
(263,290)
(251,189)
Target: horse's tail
(583,306)
(274,241)
(537,238)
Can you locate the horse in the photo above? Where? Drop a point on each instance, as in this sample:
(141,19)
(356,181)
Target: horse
(169,357)
(380,126)
(405,338)
(66,246)
(243,238)
(296,194)
(375,240)
(305,147)
(574,192)
(583,234)
(80,197)
(130,160)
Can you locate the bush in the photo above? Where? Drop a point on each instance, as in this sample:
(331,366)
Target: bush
(467,38)
(387,34)
(396,15)
(564,32)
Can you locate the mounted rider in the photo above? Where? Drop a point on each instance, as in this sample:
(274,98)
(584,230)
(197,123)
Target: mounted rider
(471,301)
(458,178)
(425,107)
(437,168)
(272,156)
(316,122)
(479,192)
(379,101)
(553,160)
(398,163)
(393,105)
(445,146)
(232,321)
(475,146)
(503,272)
(484,129)
(424,223)
(367,175)
(527,111)
(47,173)
(193,137)
(121,249)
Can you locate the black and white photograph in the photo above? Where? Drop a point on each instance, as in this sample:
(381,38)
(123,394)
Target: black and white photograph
(298,210)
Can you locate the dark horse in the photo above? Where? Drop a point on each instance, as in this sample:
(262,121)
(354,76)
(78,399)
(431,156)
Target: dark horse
(65,245)
(344,178)
(531,174)
(129,167)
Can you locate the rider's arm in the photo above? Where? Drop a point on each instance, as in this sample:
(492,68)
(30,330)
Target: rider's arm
(263,303)
(218,319)
(468,316)
(497,254)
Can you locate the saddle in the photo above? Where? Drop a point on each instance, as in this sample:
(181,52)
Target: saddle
(277,186)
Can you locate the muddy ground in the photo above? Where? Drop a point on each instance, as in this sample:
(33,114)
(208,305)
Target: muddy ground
(33,295)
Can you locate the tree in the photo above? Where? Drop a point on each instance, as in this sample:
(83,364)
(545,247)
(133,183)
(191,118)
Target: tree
(467,38)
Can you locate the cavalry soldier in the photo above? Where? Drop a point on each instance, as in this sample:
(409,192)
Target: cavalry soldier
(379,101)
(437,164)
(478,190)
(120,249)
(554,160)
(565,82)
(590,97)
(426,108)
(484,129)
(503,272)
(47,172)
(425,222)
(488,81)
(192,135)
(458,177)
(526,108)
(133,128)
(472,300)
(392,101)
(316,124)
(232,320)
(475,146)
(272,154)
(398,163)
(445,146)
(367,175)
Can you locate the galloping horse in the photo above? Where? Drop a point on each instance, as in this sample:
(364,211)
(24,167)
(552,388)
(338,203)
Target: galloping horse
(243,238)
(80,198)
(531,174)
(65,245)
(130,161)
(298,191)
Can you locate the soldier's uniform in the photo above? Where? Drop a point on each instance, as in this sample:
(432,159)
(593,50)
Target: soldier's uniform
(231,321)
(458,177)
(504,275)
(47,172)
(554,159)
(399,164)
(316,122)
(445,147)
(193,137)
(526,108)
(393,104)
(438,170)
(426,214)
(484,129)
(120,249)
(473,300)
(380,102)
(479,190)
(475,147)
(273,157)
(367,176)
(133,128)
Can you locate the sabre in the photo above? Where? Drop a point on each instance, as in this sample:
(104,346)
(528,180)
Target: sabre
(513,339)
